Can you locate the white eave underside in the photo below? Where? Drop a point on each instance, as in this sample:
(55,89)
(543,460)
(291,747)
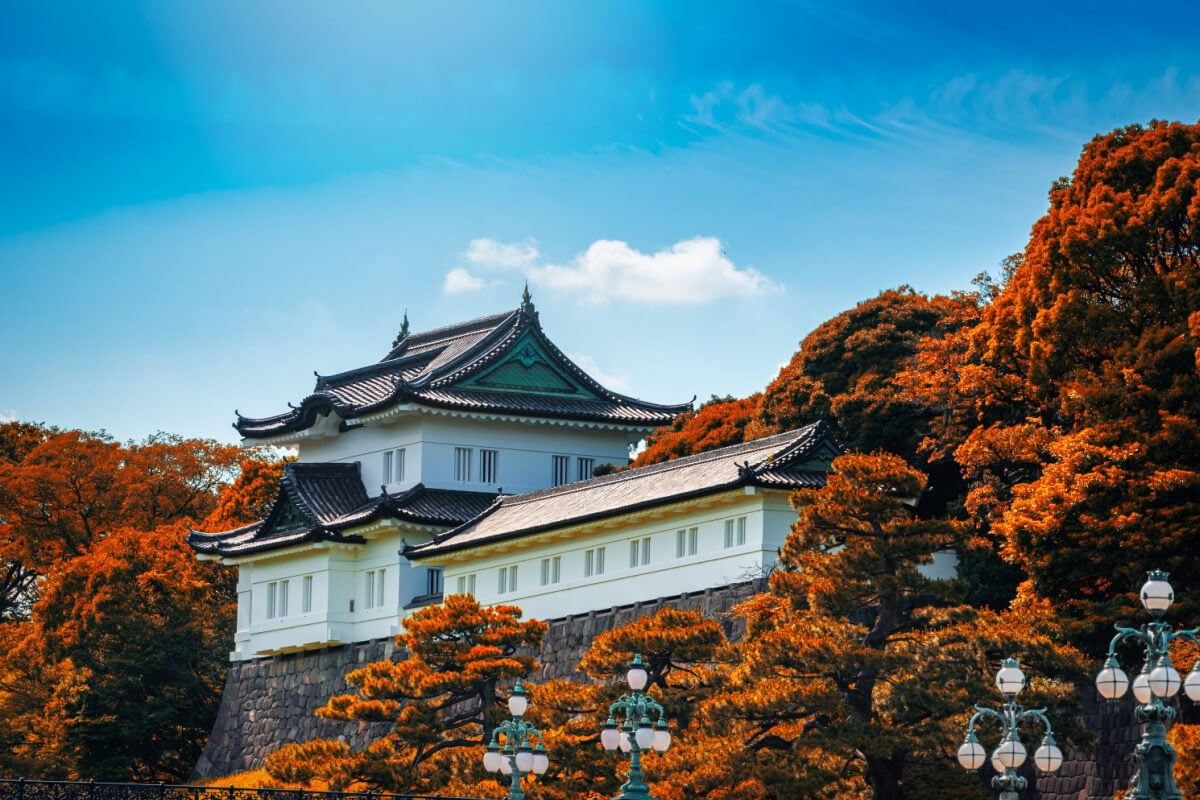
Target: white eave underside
(317,431)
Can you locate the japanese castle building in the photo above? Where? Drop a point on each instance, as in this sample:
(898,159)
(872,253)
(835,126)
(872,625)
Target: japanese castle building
(463,462)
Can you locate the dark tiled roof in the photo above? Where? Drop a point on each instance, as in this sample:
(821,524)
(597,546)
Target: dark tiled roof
(319,501)
(794,459)
(435,368)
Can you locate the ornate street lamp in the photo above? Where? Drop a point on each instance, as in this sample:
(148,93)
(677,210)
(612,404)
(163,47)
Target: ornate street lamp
(1157,681)
(630,730)
(515,754)
(1011,753)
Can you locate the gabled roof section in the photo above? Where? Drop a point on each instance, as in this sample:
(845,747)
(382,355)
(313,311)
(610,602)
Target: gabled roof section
(497,364)
(321,502)
(795,459)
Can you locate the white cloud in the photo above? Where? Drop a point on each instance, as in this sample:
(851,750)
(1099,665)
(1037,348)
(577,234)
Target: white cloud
(690,271)
(458,280)
(11,415)
(494,254)
(618,383)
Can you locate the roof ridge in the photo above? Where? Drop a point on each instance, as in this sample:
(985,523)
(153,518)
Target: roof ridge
(465,327)
(662,466)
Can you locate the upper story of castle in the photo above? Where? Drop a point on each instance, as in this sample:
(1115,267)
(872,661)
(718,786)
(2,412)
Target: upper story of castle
(489,405)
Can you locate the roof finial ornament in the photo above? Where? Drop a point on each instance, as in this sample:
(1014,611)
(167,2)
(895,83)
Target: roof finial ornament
(400,337)
(525,296)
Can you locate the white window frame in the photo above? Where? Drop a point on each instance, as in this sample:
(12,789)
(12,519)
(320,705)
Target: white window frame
(551,570)
(687,542)
(272,594)
(639,552)
(387,467)
(434,584)
(741,531)
(466,584)
(306,594)
(560,470)
(489,463)
(593,562)
(584,467)
(462,464)
(283,598)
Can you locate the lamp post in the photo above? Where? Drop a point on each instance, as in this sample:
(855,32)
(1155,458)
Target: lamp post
(515,755)
(630,730)
(1010,753)
(1157,681)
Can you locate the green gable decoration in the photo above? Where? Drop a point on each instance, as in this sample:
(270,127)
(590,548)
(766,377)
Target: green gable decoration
(529,369)
(290,519)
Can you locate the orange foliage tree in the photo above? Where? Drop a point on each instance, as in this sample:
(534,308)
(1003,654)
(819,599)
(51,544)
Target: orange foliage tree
(857,668)
(719,422)
(113,649)
(443,699)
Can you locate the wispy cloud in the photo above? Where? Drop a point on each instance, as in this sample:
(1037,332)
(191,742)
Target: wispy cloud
(691,271)
(459,281)
(619,383)
(8,416)
(688,272)
(500,255)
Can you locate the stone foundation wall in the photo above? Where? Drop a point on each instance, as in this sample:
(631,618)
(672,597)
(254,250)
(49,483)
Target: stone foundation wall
(269,702)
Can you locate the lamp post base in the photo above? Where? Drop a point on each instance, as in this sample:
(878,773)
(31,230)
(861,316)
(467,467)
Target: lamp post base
(1155,776)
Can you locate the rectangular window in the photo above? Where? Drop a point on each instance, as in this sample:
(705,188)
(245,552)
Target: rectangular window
(741,530)
(398,466)
(466,584)
(728,533)
(487,465)
(283,598)
(639,552)
(593,562)
(507,580)
(272,608)
(687,542)
(433,581)
(376,579)
(462,464)
(551,570)
(584,468)
(387,466)
(306,587)
(562,470)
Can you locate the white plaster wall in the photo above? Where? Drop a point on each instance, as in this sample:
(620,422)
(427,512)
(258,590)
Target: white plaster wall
(525,451)
(340,611)
(666,574)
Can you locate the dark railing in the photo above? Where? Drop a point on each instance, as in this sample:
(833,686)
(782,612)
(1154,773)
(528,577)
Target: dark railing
(21,789)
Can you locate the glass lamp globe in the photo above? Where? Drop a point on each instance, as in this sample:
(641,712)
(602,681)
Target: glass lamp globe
(1048,758)
(996,765)
(491,759)
(1010,753)
(1141,687)
(524,759)
(662,737)
(1164,680)
(1156,594)
(541,761)
(644,735)
(518,702)
(1010,680)
(610,737)
(637,676)
(1112,682)
(626,745)
(506,766)
(1191,684)
(971,754)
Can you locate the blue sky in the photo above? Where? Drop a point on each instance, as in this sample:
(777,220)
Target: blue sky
(201,203)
